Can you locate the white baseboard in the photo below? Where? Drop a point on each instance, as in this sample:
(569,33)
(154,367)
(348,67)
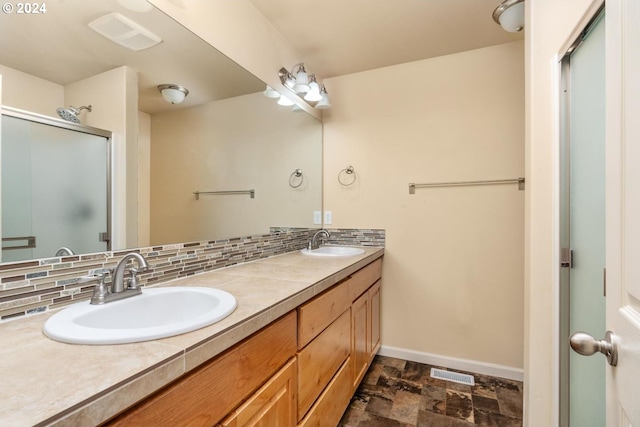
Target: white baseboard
(454,363)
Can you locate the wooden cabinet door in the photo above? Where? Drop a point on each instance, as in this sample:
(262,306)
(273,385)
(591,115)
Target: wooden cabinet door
(374,318)
(360,346)
(273,405)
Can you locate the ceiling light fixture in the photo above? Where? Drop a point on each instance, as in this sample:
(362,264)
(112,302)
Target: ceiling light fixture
(510,15)
(304,85)
(173,94)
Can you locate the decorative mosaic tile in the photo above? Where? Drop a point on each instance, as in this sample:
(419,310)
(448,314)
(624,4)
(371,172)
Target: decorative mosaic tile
(35,286)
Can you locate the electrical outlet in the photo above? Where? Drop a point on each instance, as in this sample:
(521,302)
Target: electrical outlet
(317,217)
(328,217)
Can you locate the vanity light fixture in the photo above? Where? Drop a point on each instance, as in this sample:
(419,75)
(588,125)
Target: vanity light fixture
(304,85)
(510,15)
(173,94)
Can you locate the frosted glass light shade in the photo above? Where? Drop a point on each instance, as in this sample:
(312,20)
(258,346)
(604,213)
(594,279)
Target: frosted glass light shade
(512,19)
(314,92)
(302,82)
(324,103)
(284,101)
(270,92)
(173,94)
(510,15)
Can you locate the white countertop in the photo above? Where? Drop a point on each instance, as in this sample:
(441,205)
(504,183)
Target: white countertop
(45,382)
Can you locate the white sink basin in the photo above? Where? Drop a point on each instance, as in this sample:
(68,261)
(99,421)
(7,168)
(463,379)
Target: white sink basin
(334,251)
(156,313)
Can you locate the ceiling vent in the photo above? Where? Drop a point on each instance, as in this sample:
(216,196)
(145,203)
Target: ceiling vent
(124,31)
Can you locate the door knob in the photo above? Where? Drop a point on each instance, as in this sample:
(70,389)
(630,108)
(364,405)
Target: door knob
(586,345)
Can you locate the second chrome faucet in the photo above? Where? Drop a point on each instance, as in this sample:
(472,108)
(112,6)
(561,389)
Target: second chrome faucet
(313,242)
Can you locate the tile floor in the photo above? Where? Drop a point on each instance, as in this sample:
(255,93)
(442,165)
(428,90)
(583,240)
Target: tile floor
(399,393)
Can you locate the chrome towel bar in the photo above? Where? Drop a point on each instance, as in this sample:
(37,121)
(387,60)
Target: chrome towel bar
(251,192)
(519,181)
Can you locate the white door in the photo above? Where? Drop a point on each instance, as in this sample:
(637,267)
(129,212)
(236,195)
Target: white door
(623,209)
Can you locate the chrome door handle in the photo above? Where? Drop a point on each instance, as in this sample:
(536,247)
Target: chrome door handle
(586,345)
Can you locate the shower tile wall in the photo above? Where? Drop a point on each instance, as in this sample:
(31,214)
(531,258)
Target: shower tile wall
(31,287)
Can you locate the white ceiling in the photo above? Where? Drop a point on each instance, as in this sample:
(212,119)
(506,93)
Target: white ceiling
(337,37)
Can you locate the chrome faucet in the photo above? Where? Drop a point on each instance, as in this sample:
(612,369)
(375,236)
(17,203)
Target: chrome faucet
(313,242)
(103,293)
(118,274)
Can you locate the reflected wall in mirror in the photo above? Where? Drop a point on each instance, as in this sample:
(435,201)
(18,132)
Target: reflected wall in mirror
(224,136)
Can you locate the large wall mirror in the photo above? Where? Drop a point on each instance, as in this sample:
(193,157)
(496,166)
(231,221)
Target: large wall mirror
(256,165)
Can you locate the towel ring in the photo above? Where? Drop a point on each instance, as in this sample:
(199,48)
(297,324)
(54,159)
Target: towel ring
(348,171)
(292,178)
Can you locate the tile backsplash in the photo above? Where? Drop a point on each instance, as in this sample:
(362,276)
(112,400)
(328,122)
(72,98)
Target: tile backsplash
(35,286)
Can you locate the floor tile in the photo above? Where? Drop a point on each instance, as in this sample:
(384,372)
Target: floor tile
(399,393)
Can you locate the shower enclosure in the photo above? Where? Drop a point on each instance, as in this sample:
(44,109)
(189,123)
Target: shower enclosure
(55,187)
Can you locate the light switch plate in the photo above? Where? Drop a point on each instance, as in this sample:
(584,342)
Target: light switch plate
(317,217)
(328,217)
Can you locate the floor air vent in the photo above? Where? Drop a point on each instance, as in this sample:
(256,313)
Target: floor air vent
(452,376)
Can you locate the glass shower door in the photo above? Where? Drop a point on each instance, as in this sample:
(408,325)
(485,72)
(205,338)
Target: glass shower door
(582,277)
(54,188)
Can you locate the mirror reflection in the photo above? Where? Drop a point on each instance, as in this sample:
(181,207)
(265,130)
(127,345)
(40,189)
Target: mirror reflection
(223,139)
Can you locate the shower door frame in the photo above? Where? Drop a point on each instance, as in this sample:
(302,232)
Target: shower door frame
(62,124)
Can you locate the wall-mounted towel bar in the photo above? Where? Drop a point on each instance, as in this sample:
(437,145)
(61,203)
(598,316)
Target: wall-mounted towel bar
(251,192)
(519,181)
(30,243)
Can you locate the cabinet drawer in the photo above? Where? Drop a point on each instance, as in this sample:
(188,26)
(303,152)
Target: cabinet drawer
(206,395)
(321,359)
(315,315)
(272,405)
(330,406)
(364,278)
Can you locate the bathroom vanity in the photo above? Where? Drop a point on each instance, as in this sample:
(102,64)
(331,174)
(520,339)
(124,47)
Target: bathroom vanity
(309,363)
(292,353)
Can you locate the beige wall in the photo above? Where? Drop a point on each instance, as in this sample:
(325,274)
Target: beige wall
(453,271)
(114,97)
(551,25)
(31,93)
(241,143)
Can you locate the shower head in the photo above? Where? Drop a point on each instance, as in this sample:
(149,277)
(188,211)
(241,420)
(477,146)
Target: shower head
(71,114)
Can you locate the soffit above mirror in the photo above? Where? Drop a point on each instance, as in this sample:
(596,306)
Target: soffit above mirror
(60,47)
